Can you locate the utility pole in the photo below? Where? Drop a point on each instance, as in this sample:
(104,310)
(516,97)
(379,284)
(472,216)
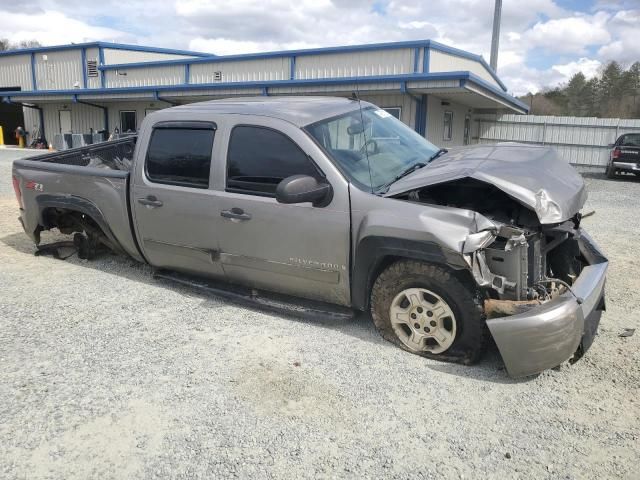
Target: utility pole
(495,38)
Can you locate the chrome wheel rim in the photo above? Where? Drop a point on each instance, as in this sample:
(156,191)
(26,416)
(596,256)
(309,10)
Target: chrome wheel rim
(423,321)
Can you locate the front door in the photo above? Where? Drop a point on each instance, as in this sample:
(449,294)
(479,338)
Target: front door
(176,213)
(65,121)
(296,249)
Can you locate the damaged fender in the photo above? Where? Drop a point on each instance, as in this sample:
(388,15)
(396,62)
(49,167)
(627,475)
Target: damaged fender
(386,227)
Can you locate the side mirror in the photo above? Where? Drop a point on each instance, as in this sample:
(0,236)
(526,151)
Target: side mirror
(355,129)
(303,188)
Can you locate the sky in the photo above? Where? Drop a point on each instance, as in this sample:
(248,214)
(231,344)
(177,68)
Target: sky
(542,42)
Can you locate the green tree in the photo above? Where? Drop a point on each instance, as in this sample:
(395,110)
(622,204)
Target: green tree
(590,106)
(557,97)
(630,86)
(615,92)
(610,89)
(574,92)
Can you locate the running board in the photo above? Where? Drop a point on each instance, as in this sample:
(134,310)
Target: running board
(264,300)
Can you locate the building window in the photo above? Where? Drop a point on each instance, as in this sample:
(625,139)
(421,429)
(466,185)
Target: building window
(448,126)
(180,156)
(260,158)
(395,111)
(128,121)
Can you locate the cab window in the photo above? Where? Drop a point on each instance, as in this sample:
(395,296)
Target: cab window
(259,158)
(180,155)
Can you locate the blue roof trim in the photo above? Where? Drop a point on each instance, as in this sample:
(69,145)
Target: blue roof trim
(493,73)
(277,54)
(471,56)
(142,48)
(486,85)
(109,45)
(426,44)
(462,75)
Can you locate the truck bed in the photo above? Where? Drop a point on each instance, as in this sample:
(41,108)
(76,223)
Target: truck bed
(91,180)
(113,155)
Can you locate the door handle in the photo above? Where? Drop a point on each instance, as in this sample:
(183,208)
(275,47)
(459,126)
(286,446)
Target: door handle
(150,201)
(235,214)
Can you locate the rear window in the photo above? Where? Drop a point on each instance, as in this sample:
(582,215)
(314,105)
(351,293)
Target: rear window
(180,156)
(632,140)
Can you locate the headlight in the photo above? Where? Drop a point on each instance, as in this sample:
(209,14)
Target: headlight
(478,240)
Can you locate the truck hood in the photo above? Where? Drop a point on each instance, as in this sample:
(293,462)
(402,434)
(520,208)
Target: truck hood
(535,176)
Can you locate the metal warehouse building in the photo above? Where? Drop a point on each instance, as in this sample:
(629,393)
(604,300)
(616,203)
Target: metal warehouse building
(435,89)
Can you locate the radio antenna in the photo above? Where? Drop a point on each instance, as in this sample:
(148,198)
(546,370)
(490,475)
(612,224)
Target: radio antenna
(356,96)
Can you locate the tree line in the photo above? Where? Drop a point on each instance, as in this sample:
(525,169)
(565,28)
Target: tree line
(7,45)
(614,92)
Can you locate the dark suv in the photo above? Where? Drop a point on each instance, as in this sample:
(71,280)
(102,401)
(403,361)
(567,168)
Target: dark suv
(625,155)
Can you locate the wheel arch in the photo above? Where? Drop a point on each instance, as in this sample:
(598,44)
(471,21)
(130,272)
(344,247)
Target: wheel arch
(375,253)
(47,204)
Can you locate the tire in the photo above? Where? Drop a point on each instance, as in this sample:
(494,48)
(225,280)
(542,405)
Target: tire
(467,339)
(611,172)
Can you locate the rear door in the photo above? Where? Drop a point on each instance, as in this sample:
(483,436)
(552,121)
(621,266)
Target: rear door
(176,214)
(296,249)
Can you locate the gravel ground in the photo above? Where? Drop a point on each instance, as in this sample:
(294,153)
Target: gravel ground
(107,373)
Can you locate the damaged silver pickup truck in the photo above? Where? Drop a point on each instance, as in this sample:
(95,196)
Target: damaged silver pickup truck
(335,201)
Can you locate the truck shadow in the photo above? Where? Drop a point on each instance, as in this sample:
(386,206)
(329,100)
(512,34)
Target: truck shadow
(618,178)
(360,326)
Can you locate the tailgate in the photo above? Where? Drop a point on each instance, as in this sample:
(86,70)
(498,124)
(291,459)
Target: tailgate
(629,154)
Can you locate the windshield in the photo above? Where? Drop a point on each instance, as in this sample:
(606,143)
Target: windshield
(371,146)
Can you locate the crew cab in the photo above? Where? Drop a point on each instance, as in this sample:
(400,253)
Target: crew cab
(335,201)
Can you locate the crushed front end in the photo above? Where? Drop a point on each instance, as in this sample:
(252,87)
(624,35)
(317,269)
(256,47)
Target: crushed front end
(543,283)
(546,295)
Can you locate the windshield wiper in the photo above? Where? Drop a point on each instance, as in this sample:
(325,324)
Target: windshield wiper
(412,168)
(439,153)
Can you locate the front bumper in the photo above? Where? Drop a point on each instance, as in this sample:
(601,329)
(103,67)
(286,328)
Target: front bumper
(559,329)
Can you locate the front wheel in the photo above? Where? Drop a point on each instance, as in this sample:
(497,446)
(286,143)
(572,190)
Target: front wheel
(427,311)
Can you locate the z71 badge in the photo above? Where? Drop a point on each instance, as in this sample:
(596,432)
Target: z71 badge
(31,185)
